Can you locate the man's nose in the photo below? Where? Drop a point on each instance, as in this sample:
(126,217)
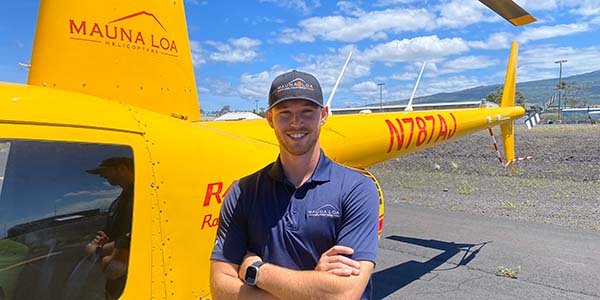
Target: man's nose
(296,120)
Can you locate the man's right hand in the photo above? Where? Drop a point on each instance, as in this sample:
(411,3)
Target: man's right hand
(101,238)
(334,261)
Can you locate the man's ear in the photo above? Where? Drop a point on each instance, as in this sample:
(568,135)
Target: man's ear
(324,115)
(269,117)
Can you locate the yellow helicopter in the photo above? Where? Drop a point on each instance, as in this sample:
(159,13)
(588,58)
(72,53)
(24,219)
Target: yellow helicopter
(115,80)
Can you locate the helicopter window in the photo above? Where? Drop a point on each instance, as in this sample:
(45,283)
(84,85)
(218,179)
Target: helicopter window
(54,198)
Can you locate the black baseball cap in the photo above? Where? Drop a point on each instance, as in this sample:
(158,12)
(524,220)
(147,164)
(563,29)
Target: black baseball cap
(295,85)
(112,162)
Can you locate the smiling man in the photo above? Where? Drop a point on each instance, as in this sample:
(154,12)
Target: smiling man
(303,227)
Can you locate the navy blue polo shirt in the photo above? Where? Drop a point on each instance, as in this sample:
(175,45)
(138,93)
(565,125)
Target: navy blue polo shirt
(264,213)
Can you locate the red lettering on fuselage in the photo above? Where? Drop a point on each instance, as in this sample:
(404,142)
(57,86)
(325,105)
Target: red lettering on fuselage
(210,221)
(215,190)
(80,29)
(423,128)
(395,133)
(112,32)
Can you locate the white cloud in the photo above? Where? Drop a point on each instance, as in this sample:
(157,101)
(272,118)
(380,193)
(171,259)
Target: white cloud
(404,76)
(465,63)
(237,50)
(577,7)
(416,49)
(499,40)
(102,203)
(196,2)
(587,8)
(460,13)
(109,192)
(411,71)
(545,32)
(393,2)
(291,35)
(372,25)
(263,20)
(537,62)
(350,8)
(367,90)
(217,86)
(202,90)
(299,5)
(365,86)
(197,53)
(450,84)
(530,5)
(254,86)
(325,67)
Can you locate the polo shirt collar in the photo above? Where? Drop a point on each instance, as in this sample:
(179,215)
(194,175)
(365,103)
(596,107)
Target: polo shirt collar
(322,172)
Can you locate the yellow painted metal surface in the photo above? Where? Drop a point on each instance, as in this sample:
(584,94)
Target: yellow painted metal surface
(27,104)
(194,166)
(134,51)
(510,80)
(510,88)
(523,20)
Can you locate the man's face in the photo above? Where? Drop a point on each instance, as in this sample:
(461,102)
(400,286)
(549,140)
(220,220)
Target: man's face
(297,124)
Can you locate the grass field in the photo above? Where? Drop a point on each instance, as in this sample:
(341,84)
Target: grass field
(560,186)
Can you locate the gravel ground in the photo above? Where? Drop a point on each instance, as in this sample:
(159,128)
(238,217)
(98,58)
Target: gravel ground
(560,186)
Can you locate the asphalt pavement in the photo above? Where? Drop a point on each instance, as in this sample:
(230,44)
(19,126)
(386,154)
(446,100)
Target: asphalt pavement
(432,254)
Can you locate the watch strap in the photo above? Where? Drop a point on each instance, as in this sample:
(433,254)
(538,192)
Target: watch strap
(258,263)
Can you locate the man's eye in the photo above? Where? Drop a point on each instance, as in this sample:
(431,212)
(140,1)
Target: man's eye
(308,113)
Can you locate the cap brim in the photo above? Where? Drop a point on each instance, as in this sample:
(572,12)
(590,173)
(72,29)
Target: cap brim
(94,171)
(296,98)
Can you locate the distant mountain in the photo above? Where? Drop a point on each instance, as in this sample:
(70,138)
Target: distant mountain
(535,92)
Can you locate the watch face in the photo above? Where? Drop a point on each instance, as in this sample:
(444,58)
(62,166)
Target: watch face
(251,273)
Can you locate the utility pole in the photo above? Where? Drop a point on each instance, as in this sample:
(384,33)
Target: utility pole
(381,96)
(560,62)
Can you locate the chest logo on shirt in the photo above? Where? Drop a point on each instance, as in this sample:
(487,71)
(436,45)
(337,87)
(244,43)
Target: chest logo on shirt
(326,210)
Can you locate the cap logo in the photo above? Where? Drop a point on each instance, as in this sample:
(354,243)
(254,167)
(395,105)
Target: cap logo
(297,83)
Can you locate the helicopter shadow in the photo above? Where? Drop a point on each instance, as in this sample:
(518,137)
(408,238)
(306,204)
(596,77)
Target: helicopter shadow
(389,280)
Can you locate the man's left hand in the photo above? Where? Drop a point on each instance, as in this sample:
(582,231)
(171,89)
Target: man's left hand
(335,261)
(248,259)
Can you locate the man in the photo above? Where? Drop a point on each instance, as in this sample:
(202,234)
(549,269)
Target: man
(112,243)
(303,227)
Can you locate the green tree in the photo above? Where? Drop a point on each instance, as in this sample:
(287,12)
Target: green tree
(225,109)
(575,94)
(261,112)
(496,96)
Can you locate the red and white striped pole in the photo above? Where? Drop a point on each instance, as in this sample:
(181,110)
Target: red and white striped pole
(496,146)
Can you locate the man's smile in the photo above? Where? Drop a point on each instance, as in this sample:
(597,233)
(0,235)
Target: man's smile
(297,135)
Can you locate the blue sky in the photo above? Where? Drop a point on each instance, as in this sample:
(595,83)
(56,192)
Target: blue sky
(238,47)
